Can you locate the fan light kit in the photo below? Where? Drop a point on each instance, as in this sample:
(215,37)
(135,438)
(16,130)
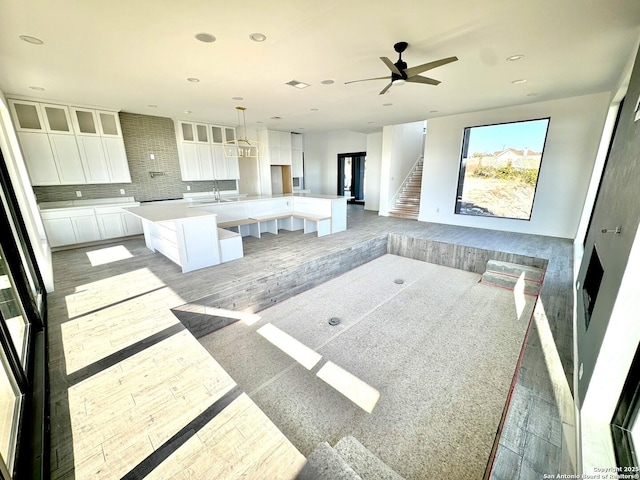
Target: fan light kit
(242,147)
(401,74)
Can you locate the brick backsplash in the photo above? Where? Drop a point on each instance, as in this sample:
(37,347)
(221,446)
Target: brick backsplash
(143,135)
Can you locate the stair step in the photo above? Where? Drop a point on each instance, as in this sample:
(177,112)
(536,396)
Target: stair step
(507,275)
(325,463)
(363,461)
(530,273)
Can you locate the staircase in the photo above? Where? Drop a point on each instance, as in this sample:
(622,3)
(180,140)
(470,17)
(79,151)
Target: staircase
(347,460)
(407,204)
(507,275)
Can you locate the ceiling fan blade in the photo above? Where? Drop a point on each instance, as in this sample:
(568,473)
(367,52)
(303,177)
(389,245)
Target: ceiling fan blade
(428,66)
(419,79)
(367,79)
(391,66)
(384,90)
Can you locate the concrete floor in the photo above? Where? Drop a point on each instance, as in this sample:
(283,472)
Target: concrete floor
(419,347)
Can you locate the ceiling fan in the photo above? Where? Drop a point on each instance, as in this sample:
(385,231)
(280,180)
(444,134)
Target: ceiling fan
(401,74)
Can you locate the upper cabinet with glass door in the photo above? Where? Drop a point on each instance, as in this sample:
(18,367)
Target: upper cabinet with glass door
(95,122)
(41,117)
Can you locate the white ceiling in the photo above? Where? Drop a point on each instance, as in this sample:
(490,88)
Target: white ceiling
(127,55)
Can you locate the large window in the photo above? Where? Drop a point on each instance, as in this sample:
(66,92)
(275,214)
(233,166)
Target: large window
(499,169)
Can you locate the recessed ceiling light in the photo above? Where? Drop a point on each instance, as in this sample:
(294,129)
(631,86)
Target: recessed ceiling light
(387,104)
(371,122)
(327,82)
(519,81)
(193,79)
(188,111)
(276,118)
(151,105)
(30,39)
(301,128)
(259,121)
(237,98)
(433,111)
(297,84)
(313,109)
(40,89)
(205,37)
(258,37)
(513,58)
(532,94)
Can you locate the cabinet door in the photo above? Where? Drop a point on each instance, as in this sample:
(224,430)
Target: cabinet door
(110,225)
(233,168)
(59,231)
(187,132)
(285,140)
(205,162)
(38,157)
(68,161)
(132,224)
(189,165)
(297,169)
(229,135)
(93,159)
(285,156)
(56,119)
(109,124)
(273,137)
(84,121)
(85,228)
(296,141)
(27,116)
(274,156)
(202,133)
(217,135)
(116,158)
(219,162)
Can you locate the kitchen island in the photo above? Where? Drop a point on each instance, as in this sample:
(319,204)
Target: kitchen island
(203,232)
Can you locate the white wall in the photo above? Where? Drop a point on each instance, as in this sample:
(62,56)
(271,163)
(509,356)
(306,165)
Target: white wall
(25,196)
(372,172)
(321,157)
(401,147)
(574,133)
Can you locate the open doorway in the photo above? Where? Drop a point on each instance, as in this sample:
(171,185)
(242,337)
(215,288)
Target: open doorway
(351,175)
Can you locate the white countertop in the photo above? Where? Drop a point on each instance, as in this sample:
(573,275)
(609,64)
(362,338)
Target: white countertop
(87,203)
(197,201)
(164,212)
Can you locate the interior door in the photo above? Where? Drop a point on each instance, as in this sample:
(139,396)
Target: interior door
(351,176)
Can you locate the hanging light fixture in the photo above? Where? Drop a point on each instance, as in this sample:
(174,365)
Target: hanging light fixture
(241,147)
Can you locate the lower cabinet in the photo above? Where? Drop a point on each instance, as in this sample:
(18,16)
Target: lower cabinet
(68,227)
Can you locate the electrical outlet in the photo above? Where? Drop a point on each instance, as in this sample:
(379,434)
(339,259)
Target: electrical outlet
(122,191)
(78,193)
(188,188)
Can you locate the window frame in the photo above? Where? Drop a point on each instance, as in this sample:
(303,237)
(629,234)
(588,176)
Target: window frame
(464,150)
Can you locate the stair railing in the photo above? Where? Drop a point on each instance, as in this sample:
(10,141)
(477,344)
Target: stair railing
(404,182)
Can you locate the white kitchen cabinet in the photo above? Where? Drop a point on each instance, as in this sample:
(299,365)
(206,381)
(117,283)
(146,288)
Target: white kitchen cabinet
(93,159)
(84,121)
(56,119)
(116,158)
(189,165)
(296,141)
(59,231)
(86,145)
(205,162)
(285,140)
(67,157)
(86,228)
(27,116)
(187,132)
(109,124)
(110,223)
(217,134)
(219,162)
(39,158)
(132,224)
(233,168)
(297,165)
(71,226)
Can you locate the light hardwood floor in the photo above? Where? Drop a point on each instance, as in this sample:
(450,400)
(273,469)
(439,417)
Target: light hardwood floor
(128,382)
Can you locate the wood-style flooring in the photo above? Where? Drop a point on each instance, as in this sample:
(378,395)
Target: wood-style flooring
(134,395)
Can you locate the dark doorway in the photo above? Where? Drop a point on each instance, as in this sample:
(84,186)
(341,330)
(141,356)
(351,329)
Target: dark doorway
(351,167)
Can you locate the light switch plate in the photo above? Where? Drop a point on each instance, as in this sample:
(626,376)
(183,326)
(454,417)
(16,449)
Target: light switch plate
(78,193)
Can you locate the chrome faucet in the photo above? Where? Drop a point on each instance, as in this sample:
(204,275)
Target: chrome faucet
(216,190)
